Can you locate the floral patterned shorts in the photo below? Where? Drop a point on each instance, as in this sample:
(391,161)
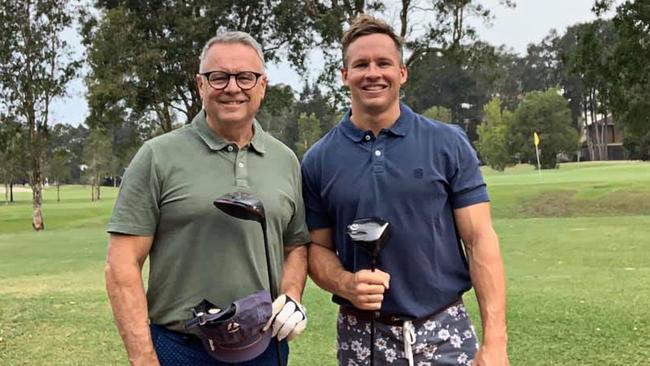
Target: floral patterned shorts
(446,338)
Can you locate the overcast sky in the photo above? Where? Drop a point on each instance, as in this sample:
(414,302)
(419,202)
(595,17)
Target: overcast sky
(529,22)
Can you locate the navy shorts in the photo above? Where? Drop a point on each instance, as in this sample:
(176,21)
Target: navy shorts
(179,349)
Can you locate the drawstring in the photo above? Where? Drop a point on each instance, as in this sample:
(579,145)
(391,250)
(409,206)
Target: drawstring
(409,340)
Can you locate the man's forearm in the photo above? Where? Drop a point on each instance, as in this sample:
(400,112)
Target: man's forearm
(126,294)
(326,270)
(488,279)
(294,272)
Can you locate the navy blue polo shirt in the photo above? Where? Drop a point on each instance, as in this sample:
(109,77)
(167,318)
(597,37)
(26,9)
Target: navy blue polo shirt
(413,174)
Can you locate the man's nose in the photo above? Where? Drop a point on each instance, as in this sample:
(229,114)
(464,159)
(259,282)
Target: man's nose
(232,86)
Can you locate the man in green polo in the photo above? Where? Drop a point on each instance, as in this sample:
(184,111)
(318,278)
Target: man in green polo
(165,211)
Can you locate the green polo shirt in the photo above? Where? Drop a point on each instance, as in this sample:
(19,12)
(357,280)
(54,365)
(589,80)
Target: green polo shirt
(198,251)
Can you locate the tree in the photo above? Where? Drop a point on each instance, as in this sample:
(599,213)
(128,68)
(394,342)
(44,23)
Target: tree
(308,133)
(34,69)
(461,80)
(441,114)
(590,60)
(72,139)
(277,113)
(97,155)
(144,56)
(59,169)
(548,114)
(428,27)
(629,76)
(494,144)
(12,145)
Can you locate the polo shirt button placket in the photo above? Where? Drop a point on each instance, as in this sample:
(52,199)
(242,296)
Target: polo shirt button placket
(378,156)
(241,173)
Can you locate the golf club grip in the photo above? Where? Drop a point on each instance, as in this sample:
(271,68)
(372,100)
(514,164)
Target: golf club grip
(277,351)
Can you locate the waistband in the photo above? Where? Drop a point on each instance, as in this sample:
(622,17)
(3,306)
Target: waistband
(392,319)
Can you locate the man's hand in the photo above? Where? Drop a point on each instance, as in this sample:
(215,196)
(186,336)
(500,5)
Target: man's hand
(365,289)
(491,356)
(289,318)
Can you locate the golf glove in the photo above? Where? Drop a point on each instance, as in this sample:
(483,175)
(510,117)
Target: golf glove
(289,318)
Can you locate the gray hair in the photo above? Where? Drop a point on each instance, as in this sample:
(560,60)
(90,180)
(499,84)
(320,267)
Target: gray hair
(233,37)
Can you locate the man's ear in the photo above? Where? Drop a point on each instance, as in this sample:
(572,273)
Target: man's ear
(404,74)
(344,76)
(199,84)
(263,83)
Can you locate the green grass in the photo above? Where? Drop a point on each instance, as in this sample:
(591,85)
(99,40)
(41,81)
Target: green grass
(574,240)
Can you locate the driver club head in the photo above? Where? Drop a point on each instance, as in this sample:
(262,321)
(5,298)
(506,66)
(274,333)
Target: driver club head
(370,233)
(241,205)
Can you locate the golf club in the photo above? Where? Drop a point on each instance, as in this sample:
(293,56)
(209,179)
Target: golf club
(370,234)
(245,206)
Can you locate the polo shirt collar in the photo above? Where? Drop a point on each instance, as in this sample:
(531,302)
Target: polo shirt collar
(399,128)
(215,142)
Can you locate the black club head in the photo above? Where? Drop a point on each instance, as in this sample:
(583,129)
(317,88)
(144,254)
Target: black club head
(241,205)
(370,233)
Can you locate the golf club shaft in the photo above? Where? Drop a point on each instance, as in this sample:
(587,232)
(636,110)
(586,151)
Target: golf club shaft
(274,293)
(372,324)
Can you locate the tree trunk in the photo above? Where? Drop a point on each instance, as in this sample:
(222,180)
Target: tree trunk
(11,192)
(58,188)
(605,140)
(98,185)
(37,196)
(92,190)
(6,193)
(590,146)
(594,117)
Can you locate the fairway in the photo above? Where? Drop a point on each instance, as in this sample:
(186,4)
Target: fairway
(576,245)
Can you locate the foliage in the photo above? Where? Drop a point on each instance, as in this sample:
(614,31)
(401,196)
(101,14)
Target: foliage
(494,144)
(590,60)
(461,80)
(58,169)
(309,133)
(144,56)
(12,147)
(437,113)
(630,76)
(97,155)
(72,139)
(547,114)
(35,67)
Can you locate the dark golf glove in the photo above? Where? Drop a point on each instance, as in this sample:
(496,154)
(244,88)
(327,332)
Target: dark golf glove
(289,318)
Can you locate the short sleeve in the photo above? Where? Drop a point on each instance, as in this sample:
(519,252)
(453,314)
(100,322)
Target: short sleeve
(296,232)
(316,213)
(466,181)
(136,210)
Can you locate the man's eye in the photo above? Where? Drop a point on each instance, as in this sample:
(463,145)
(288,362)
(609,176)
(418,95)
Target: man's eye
(219,79)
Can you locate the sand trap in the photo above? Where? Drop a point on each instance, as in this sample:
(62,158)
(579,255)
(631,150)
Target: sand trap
(16,189)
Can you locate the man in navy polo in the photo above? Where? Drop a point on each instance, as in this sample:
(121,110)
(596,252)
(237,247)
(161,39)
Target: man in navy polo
(383,160)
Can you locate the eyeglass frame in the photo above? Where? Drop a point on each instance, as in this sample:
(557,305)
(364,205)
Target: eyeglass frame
(230,76)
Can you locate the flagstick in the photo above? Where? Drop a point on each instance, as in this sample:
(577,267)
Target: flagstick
(539,167)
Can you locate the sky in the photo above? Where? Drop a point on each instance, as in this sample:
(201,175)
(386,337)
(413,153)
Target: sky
(529,22)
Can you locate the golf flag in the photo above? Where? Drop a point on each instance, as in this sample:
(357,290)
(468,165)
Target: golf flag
(536,141)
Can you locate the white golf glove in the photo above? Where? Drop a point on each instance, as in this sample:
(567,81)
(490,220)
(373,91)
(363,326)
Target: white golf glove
(289,318)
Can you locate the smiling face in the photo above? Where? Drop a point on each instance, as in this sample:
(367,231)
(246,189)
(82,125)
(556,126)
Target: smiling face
(374,73)
(231,105)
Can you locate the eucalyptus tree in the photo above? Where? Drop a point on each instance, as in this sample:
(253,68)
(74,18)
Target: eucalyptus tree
(144,56)
(35,67)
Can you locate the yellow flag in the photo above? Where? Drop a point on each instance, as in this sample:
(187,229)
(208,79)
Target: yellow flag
(536,139)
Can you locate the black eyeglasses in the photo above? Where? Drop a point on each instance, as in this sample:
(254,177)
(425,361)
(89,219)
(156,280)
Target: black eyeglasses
(219,80)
